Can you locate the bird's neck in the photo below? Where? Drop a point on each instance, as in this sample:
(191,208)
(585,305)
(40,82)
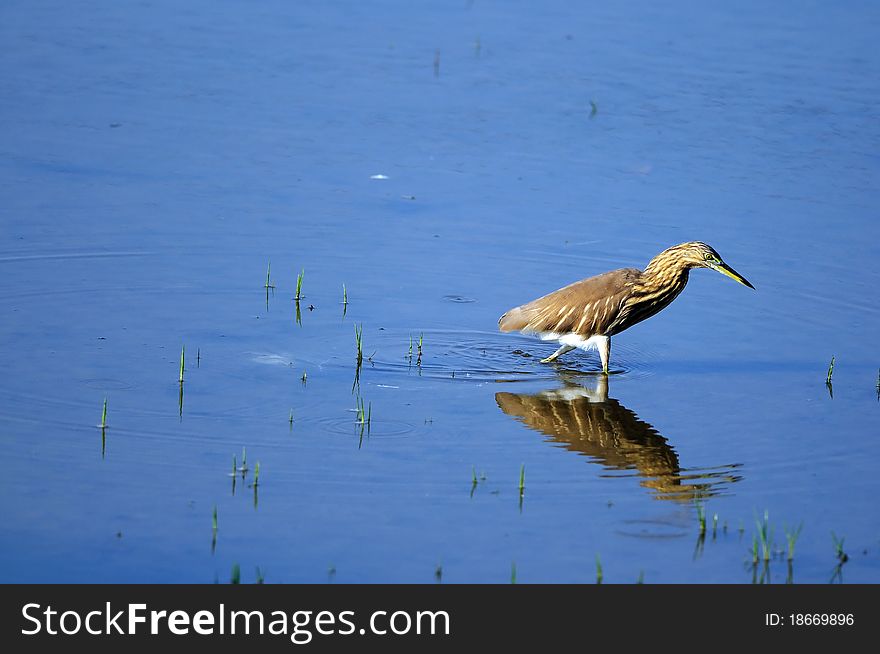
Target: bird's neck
(665,272)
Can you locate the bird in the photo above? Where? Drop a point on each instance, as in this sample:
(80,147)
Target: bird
(587,313)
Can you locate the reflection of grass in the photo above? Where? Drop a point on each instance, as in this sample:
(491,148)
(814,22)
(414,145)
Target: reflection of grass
(236,574)
(257,474)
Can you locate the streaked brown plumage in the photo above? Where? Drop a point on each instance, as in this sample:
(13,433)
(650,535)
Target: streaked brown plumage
(589,312)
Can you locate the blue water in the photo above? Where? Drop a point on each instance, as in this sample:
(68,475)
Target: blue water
(155,158)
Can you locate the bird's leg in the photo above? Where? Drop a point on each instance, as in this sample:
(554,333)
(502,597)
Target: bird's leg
(558,353)
(604,346)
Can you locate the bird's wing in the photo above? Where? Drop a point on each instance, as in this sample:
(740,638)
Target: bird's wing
(587,307)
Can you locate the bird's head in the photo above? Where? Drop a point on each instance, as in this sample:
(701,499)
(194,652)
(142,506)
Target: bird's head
(700,255)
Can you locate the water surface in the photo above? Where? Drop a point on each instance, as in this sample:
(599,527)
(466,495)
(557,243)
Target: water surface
(445,161)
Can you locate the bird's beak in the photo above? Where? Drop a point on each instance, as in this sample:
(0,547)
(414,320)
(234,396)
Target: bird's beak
(724,269)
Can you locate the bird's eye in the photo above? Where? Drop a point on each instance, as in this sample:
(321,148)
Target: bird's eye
(707,256)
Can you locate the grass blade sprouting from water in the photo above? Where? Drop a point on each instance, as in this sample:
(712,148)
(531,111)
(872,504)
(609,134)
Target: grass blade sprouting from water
(299,283)
(268,275)
(344,300)
(765,536)
(792,536)
(701,516)
(359,341)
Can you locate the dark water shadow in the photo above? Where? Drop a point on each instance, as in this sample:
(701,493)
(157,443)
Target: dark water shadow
(585,420)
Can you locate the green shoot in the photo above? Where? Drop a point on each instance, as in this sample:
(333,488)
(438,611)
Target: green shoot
(104,415)
(290,419)
(214,521)
(344,295)
(791,536)
(419,356)
(522,479)
(304,377)
(182,359)
(236,574)
(268,274)
(765,536)
(830,371)
(299,283)
(599,575)
(513,572)
(838,548)
(261,578)
(701,516)
(641,579)
(359,341)
(364,412)
(257,474)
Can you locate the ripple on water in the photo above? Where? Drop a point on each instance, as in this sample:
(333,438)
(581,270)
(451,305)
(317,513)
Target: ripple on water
(349,426)
(490,356)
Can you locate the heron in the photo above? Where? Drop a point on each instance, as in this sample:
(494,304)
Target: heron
(587,313)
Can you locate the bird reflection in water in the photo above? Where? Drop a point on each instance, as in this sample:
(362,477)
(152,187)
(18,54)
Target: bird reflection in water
(585,420)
